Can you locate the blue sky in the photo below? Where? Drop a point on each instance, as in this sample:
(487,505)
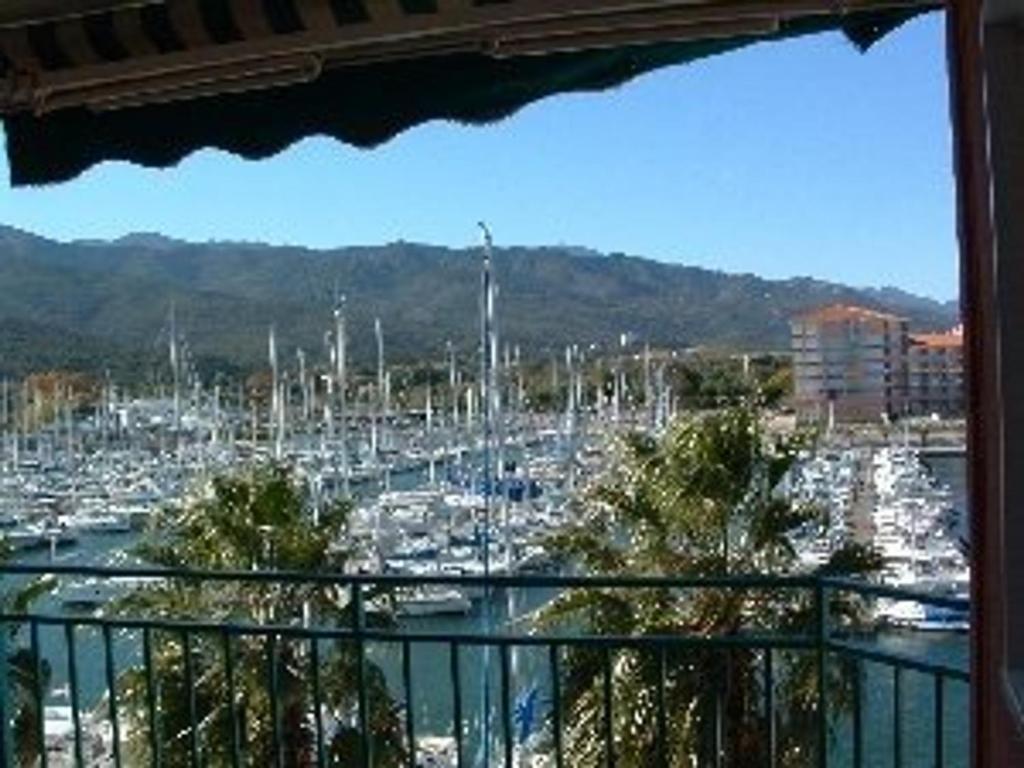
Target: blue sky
(796,158)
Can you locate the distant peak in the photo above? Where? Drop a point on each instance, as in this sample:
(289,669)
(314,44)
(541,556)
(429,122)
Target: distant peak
(9,234)
(578,250)
(151,240)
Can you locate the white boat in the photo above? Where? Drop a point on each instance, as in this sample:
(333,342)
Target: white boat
(433,601)
(59,737)
(922,617)
(92,594)
(101,523)
(39,536)
(436,752)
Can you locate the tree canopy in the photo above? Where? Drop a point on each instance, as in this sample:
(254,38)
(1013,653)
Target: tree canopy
(229,687)
(704,499)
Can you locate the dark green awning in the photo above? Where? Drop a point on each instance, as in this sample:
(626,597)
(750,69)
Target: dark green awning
(363,102)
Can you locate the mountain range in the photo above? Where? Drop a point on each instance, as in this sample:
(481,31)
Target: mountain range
(95,305)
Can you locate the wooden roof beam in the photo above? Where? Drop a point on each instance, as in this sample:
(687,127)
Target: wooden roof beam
(18,13)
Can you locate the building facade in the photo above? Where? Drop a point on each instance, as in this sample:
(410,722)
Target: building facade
(849,364)
(856,364)
(936,373)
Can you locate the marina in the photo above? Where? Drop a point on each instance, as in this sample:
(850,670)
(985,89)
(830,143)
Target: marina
(464,481)
(468,482)
(422,513)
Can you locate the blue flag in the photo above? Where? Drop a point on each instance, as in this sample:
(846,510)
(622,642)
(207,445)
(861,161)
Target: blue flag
(526,713)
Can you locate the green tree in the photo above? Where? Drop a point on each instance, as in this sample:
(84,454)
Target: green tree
(25,671)
(703,500)
(256,520)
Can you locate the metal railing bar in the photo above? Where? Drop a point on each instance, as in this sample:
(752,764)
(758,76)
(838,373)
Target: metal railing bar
(890,658)
(662,717)
(190,687)
(739,581)
(111,670)
(453,656)
(151,698)
(897,717)
(556,703)
(318,711)
(37,691)
(189,670)
(358,627)
(274,691)
(7,745)
(410,710)
(753,640)
(76,718)
(506,713)
(896,593)
(608,703)
(228,642)
(717,734)
(858,724)
(821,595)
(940,708)
(769,706)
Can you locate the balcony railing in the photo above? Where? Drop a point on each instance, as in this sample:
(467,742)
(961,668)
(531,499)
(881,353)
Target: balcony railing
(435,671)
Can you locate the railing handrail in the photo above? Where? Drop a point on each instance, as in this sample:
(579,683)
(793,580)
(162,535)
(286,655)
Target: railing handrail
(791,641)
(873,589)
(895,658)
(747,581)
(731,581)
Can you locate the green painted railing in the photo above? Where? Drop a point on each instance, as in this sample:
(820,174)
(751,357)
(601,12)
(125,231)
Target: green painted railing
(826,643)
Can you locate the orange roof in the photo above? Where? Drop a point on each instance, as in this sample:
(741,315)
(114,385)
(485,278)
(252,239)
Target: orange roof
(947,340)
(834,312)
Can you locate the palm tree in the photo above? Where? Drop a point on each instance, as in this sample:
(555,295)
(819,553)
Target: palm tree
(26,672)
(256,520)
(702,500)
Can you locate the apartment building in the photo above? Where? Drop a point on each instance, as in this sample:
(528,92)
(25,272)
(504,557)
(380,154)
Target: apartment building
(850,363)
(936,373)
(856,364)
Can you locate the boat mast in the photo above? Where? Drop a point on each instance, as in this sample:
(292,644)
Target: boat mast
(342,374)
(275,393)
(652,419)
(303,386)
(382,405)
(488,350)
(454,452)
(175,376)
(488,343)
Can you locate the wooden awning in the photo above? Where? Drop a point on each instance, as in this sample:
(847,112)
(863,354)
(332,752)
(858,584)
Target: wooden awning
(80,76)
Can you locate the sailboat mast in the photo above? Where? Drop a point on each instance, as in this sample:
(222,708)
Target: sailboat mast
(275,393)
(453,392)
(487,385)
(378,333)
(488,414)
(342,375)
(382,399)
(175,376)
(649,388)
(303,385)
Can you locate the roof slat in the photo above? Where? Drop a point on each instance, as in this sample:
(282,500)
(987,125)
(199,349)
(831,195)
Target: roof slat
(15,13)
(515,28)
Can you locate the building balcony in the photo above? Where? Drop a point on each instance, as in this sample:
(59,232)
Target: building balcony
(402,678)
